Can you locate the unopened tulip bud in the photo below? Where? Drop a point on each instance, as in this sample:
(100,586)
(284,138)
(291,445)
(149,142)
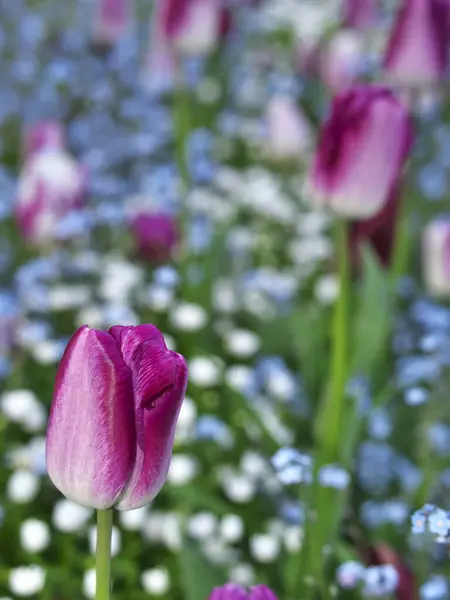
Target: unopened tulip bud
(362,148)
(360,14)
(191,27)
(112,421)
(288,130)
(44,135)
(156,234)
(112,19)
(436,257)
(417,50)
(51,185)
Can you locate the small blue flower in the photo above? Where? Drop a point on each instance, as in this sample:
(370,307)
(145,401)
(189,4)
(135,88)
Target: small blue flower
(334,476)
(350,574)
(436,588)
(439,524)
(380,581)
(292,466)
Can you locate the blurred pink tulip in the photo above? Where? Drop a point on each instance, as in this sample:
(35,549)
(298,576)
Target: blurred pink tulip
(362,148)
(43,135)
(360,14)
(417,51)
(112,421)
(231,591)
(341,61)
(51,185)
(436,257)
(156,235)
(289,133)
(112,19)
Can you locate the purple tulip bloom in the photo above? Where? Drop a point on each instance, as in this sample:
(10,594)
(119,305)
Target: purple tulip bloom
(360,14)
(156,235)
(51,185)
(112,422)
(417,50)
(112,18)
(231,591)
(436,257)
(362,148)
(43,136)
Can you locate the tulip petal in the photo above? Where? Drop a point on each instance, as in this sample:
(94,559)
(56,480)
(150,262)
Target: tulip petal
(261,592)
(91,441)
(229,591)
(159,381)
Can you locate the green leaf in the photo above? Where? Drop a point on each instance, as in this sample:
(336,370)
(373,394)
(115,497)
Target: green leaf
(198,576)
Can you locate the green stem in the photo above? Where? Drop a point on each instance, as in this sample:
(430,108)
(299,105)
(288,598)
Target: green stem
(103,555)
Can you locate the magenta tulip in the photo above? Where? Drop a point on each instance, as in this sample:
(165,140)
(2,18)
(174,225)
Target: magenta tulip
(191,27)
(51,185)
(112,422)
(111,21)
(289,132)
(231,591)
(361,152)
(156,235)
(360,14)
(43,136)
(436,257)
(417,51)
(341,61)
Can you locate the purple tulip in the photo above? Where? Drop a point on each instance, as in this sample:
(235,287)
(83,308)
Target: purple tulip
(360,14)
(362,148)
(51,184)
(436,257)
(156,235)
(112,19)
(288,129)
(341,60)
(417,50)
(112,422)
(43,136)
(231,591)
(191,27)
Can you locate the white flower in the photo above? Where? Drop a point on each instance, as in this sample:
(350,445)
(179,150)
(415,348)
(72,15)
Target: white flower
(133,520)
(187,316)
(91,315)
(69,516)
(22,406)
(183,469)
(232,528)
(292,538)
(115,540)
(34,535)
(327,289)
(242,343)
(47,352)
(26,581)
(239,488)
(242,574)
(119,279)
(264,548)
(202,525)
(89,583)
(204,371)
(156,581)
(158,298)
(254,465)
(65,297)
(186,420)
(239,377)
(22,487)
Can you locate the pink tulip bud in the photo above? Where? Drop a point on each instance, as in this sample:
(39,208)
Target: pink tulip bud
(288,130)
(112,19)
(192,27)
(377,232)
(156,235)
(231,591)
(341,61)
(112,421)
(51,184)
(417,51)
(43,136)
(362,149)
(436,257)
(360,14)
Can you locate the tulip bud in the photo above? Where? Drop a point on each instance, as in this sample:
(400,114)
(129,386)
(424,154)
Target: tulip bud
(436,257)
(156,235)
(378,232)
(51,184)
(112,421)
(362,148)
(288,130)
(359,14)
(231,591)
(191,27)
(112,19)
(342,61)
(44,135)
(417,50)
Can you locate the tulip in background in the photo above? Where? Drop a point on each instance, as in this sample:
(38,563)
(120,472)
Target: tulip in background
(360,14)
(51,185)
(362,148)
(112,423)
(417,51)
(288,130)
(112,19)
(342,61)
(43,135)
(190,27)
(156,235)
(436,257)
(230,591)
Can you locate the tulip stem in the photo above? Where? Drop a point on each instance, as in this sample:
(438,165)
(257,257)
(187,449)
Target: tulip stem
(103,555)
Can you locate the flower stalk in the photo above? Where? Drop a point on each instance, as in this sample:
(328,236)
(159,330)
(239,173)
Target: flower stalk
(103,554)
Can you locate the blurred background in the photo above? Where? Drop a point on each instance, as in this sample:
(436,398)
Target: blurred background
(153,162)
